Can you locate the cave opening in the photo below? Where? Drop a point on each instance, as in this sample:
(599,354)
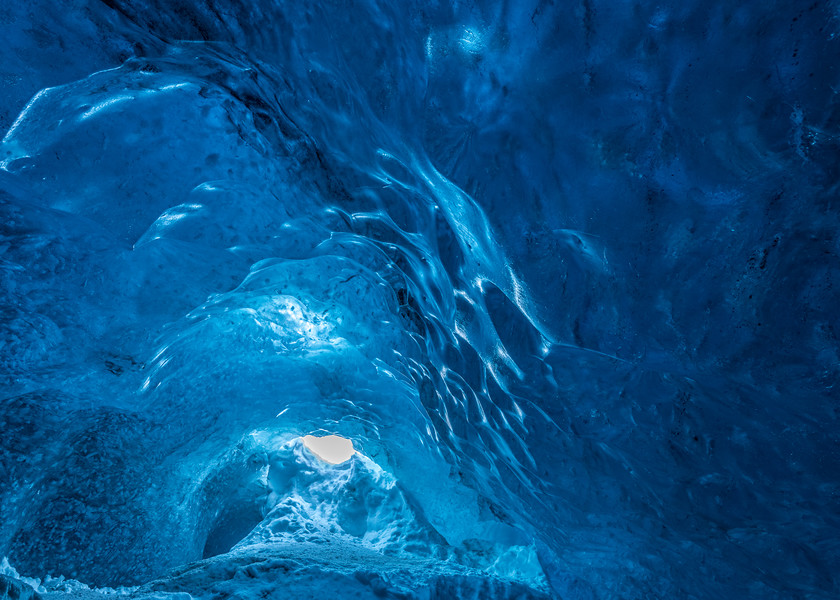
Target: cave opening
(332,449)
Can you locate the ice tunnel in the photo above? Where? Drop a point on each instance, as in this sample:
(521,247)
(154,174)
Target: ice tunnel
(481,299)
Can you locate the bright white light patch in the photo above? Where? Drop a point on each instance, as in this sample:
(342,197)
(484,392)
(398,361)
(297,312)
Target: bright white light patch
(471,41)
(333,449)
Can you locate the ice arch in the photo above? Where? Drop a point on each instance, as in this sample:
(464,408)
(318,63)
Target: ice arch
(566,274)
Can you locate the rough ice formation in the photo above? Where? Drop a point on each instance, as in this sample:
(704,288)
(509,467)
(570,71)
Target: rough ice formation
(566,275)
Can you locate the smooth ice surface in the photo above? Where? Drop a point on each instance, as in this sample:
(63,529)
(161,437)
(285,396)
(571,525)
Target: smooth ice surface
(566,274)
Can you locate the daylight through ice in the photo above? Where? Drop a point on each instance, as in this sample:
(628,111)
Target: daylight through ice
(419,300)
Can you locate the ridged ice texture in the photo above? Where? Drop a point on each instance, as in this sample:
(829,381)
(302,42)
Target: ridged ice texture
(565,272)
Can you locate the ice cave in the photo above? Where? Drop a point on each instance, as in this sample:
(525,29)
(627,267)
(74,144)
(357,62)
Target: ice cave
(419,299)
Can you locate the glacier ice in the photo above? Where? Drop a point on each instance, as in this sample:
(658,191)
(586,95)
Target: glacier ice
(563,274)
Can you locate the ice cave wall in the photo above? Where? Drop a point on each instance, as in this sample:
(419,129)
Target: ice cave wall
(564,270)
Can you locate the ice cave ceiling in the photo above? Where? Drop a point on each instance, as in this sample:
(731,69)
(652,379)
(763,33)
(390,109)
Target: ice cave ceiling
(564,273)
